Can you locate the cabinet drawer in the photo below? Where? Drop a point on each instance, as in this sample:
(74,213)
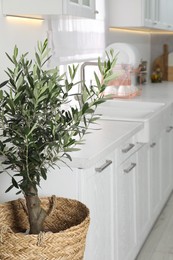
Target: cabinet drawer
(128,148)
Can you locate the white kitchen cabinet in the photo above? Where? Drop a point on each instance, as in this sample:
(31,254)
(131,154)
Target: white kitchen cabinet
(80,8)
(143,195)
(125,211)
(37,8)
(155,14)
(124,13)
(151,9)
(130,183)
(166,162)
(155,177)
(115,191)
(165,14)
(94,187)
(125,191)
(161,164)
(97,193)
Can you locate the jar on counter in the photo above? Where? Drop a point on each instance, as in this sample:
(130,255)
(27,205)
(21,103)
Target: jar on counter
(156,76)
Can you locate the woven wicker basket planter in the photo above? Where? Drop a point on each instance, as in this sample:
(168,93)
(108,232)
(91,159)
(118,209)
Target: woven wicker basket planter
(64,237)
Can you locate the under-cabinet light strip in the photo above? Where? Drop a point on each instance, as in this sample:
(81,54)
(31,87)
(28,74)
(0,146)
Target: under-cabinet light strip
(25,17)
(145,31)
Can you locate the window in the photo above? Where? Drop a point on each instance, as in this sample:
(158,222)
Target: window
(74,1)
(76,40)
(86,2)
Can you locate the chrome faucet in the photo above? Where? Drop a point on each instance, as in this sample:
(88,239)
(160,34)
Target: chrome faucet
(82,72)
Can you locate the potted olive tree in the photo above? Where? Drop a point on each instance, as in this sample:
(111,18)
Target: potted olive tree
(36,133)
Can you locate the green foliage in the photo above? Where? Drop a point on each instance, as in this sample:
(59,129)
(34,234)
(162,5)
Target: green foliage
(36,131)
(106,67)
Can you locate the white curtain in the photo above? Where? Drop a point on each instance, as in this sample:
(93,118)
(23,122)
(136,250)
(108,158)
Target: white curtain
(75,39)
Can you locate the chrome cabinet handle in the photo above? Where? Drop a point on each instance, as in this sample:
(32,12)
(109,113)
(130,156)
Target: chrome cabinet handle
(130,168)
(128,148)
(104,166)
(169,129)
(152,145)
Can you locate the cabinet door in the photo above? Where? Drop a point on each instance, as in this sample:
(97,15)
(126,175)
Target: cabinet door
(141,13)
(80,8)
(125,13)
(169,14)
(126,209)
(31,7)
(165,14)
(97,194)
(155,14)
(155,178)
(166,162)
(143,195)
(150,10)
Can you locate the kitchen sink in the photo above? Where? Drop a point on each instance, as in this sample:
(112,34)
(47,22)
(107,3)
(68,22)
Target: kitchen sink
(154,115)
(129,110)
(132,104)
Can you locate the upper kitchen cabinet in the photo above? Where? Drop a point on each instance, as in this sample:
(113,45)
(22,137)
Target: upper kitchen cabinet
(81,8)
(154,14)
(37,8)
(165,14)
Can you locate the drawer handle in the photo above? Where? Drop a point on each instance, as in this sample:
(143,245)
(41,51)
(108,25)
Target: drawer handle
(104,166)
(152,145)
(169,129)
(128,148)
(130,168)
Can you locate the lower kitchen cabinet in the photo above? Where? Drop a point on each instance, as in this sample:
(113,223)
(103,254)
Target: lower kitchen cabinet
(125,211)
(132,212)
(160,171)
(124,192)
(94,187)
(114,190)
(166,151)
(97,193)
(154,160)
(142,195)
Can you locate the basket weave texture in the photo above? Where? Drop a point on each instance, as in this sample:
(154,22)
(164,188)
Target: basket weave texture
(64,233)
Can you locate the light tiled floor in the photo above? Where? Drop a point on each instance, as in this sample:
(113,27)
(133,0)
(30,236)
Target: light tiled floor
(159,244)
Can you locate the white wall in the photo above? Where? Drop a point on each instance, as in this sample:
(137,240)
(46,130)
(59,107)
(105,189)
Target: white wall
(157,42)
(149,46)
(23,32)
(140,41)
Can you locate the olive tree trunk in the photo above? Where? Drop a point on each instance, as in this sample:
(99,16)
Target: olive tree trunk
(36,214)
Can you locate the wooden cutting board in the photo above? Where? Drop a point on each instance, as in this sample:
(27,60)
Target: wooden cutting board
(165,63)
(170,66)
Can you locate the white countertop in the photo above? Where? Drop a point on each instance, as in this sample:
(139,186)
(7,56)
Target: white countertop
(157,92)
(112,133)
(99,143)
